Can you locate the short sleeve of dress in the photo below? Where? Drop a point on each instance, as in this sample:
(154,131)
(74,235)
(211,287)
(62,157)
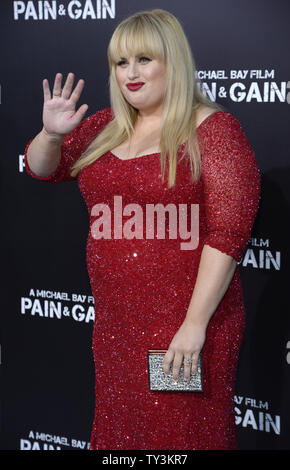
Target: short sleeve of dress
(73,145)
(231,181)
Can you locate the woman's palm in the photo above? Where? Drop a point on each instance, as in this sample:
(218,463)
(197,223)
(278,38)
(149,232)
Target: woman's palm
(59,114)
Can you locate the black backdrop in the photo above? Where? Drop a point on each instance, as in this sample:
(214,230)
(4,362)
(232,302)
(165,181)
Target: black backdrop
(47,378)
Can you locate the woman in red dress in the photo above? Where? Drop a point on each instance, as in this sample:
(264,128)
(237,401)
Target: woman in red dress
(160,142)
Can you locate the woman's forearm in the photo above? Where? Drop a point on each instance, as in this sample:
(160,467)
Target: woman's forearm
(44,153)
(216,270)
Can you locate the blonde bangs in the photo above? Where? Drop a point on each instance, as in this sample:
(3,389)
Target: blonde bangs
(136,38)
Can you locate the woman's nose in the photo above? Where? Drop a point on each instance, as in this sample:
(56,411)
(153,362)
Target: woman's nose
(132,70)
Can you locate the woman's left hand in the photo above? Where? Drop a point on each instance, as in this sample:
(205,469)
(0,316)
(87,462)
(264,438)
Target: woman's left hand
(186,343)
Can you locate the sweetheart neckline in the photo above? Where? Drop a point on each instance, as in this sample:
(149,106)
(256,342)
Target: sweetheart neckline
(158,153)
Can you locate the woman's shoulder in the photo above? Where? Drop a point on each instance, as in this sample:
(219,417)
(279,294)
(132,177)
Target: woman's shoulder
(216,120)
(222,133)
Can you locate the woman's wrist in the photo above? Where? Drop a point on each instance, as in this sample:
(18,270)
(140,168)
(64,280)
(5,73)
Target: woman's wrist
(193,319)
(52,138)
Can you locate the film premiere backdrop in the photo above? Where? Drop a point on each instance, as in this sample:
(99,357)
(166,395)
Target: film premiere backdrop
(241,51)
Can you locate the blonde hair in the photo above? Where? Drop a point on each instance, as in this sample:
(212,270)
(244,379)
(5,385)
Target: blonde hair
(158,34)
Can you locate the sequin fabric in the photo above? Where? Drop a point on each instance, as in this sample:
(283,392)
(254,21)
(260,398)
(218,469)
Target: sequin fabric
(142,287)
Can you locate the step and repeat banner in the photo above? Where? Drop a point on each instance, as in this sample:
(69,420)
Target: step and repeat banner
(47,376)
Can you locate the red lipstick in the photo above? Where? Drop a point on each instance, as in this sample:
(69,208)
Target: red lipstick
(134,86)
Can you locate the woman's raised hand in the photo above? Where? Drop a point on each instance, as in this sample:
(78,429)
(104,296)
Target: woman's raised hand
(59,114)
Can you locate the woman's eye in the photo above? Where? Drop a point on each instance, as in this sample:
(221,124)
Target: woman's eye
(143,58)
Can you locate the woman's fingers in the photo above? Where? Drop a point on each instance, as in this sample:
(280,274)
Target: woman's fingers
(167,361)
(67,88)
(78,116)
(57,85)
(194,364)
(66,92)
(178,357)
(187,365)
(46,90)
(190,364)
(77,91)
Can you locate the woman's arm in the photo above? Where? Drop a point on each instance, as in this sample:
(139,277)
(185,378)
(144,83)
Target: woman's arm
(231,190)
(216,270)
(59,119)
(44,153)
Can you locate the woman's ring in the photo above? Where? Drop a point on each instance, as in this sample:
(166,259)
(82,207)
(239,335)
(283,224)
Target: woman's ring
(188,360)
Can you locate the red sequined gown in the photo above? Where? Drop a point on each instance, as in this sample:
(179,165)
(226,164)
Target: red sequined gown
(142,287)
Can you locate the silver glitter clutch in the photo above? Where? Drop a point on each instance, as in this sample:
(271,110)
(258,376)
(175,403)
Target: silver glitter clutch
(165,383)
